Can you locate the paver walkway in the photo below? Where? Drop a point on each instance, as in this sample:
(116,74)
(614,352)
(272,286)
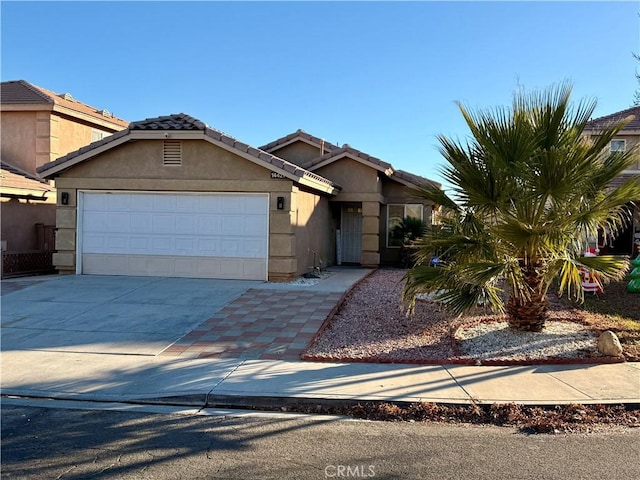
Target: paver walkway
(260,324)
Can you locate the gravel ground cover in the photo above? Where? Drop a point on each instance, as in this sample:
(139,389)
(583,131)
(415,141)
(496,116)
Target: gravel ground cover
(371,326)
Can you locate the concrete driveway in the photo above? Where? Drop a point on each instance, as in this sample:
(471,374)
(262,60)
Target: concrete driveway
(110,315)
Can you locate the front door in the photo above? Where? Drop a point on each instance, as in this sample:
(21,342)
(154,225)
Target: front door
(351,233)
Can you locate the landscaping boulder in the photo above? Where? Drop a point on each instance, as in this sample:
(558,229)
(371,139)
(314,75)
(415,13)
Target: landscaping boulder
(608,344)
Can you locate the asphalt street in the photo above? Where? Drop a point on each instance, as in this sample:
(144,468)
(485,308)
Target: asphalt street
(45,443)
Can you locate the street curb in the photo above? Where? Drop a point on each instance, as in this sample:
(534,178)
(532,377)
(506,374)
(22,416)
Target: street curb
(272,402)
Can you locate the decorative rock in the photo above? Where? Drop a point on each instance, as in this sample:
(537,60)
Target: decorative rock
(608,344)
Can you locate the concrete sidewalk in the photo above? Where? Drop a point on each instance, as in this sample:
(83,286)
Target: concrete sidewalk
(201,382)
(242,382)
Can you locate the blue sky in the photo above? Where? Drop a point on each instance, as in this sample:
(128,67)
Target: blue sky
(383,77)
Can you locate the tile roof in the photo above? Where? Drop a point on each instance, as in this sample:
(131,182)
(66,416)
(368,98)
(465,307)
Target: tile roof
(20,92)
(347,149)
(414,179)
(602,122)
(178,121)
(13,177)
(299,134)
(184,122)
(375,162)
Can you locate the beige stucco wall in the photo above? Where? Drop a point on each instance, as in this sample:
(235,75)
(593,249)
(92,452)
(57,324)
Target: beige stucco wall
(68,135)
(138,166)
(632,141)
(18,219)
(32,138)
(143,160)
(359,182)
(18,139)
(298,152)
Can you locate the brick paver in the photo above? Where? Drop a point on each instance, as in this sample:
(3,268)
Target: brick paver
(260,324)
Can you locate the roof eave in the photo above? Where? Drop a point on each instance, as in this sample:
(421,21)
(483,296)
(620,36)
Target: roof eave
(100,121)
(341,155)
(312,182)
(23,107)
(69,112)
(51,169)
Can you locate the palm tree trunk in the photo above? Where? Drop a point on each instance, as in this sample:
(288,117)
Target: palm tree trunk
(529,313)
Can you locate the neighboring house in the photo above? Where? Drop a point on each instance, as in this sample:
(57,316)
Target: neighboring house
(628,242)
(38,126)
(171,196)
(28,219)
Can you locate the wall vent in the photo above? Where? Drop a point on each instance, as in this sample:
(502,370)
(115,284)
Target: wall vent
(172,153)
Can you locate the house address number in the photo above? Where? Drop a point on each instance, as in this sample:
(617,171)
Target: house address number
(276,175)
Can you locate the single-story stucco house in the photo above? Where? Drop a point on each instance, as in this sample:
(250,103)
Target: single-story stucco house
(170,196)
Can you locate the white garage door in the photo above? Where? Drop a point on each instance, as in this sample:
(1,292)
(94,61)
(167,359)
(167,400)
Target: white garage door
(174,234)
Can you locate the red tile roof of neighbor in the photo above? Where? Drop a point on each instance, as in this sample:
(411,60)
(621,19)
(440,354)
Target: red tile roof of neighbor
(602,122)
(20,92)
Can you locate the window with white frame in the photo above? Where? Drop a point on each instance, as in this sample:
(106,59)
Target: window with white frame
(396,213)
(618,145)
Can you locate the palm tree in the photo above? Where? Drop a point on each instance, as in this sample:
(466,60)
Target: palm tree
(528,188)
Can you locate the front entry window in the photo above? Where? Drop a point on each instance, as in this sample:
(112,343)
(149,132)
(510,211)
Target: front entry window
(395,214)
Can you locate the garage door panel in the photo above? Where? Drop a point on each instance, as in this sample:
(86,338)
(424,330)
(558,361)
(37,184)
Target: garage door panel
(139,244)
(210,204)
(117,223)
(163,223)
(230,247)
(152,265)
(144,202)
(254,226)
(187,204)
(233,204)
(117,244)
(208,247)
(162,246)
(93,243)
(119,202)
(232,224)
(209,224)
(139,223)
(254,248)
(186,246)
(208,235)
(164,203)
(187,224)
(254,205)
(95,203)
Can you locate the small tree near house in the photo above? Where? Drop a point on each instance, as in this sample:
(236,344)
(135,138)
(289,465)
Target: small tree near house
(405,233)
